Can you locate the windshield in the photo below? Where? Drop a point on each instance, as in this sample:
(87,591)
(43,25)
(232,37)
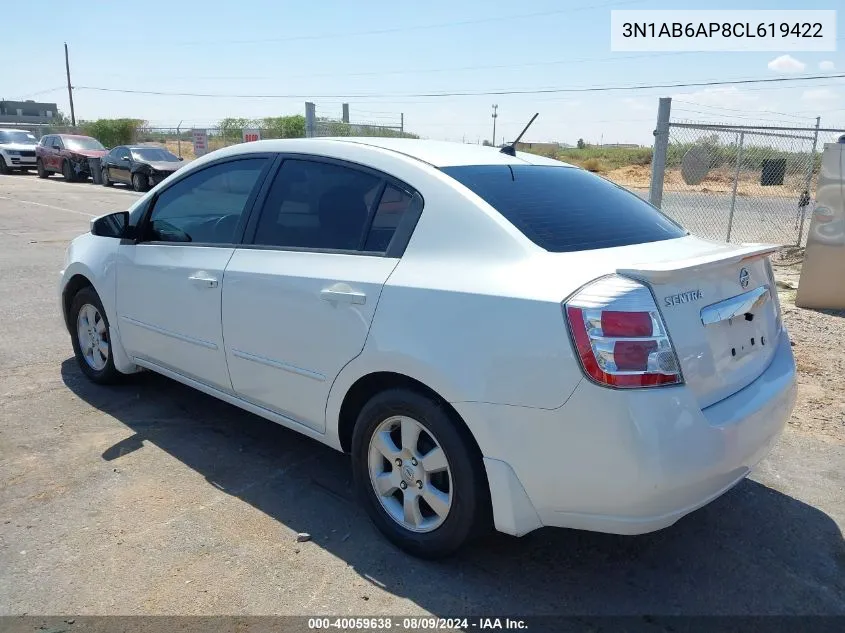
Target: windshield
(565,209)
(25,138)
(78,143)
(153,154)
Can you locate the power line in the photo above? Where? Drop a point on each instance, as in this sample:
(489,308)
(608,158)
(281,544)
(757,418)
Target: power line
(694,84)
(403,29)
(40,92)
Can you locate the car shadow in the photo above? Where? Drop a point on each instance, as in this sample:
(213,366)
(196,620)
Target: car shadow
(753,551)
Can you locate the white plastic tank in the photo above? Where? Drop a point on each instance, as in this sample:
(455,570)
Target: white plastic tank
(822,283)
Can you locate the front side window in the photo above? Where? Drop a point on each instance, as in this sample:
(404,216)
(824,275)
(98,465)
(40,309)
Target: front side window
(206,206)
(565,209)
(317,205)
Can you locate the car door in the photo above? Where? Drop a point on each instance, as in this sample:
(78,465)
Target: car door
(122,164)
(56,153)
(169,281)
(299,296)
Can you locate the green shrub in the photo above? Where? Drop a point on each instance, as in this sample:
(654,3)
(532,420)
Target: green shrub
(112,132)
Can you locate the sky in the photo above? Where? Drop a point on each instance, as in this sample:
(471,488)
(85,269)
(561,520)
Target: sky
(331,52)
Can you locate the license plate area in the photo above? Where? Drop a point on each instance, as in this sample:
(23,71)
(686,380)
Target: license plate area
(741,336)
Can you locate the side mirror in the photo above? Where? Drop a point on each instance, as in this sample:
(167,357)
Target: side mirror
(112,225)
(180,158)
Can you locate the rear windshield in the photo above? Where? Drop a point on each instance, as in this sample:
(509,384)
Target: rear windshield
(565,209)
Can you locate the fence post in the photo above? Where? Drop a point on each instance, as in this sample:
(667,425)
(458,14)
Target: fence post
(310,119)
(802,210)
(345,116)
(402,123)
(736,183)
(658,158)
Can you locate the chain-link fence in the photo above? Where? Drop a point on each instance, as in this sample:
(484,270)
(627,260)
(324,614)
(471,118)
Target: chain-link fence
(329,122)
(738,183)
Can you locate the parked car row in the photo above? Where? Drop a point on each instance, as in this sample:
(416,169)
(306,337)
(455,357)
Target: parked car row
(139,166)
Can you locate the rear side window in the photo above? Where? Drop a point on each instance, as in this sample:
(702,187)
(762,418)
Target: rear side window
(564,209)
(317,205)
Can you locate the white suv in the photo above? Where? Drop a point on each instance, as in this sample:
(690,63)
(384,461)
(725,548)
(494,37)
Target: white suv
(496,338)
(17,150)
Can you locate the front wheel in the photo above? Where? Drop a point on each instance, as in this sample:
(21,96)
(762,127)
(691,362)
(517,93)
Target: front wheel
(139,182)
(418,474)
(4,168)
(67,171)
(91,337)
(39,167)
(106,181)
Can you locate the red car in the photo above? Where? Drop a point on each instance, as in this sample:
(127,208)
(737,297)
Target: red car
(67,154)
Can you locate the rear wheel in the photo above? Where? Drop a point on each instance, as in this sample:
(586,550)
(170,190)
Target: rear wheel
(67,171)
(4,169)
(417,475)
(91,338)
(106,181)
(139,182)
(39,166)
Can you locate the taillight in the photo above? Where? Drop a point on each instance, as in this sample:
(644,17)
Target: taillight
(620,336)
(773,291)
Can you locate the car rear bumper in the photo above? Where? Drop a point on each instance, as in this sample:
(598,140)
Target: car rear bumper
(627,462)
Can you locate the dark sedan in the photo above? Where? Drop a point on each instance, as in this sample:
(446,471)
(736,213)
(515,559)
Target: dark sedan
(141,167)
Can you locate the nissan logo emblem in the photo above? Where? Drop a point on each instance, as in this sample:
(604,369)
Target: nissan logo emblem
(743,278)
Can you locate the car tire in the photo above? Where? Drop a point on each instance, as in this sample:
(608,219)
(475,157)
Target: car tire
(67,171)
(455,480)
(39,167)
(90,335)
(106,180)
(139,182)
(4,169)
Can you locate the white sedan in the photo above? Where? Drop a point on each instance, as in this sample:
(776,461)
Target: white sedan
(498,340)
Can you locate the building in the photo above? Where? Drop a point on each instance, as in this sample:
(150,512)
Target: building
(27,112)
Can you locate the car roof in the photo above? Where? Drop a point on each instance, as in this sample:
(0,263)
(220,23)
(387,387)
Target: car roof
(436,153)
(14,129)
(71,135)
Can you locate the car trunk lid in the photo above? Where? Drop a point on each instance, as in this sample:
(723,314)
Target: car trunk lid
(721,311)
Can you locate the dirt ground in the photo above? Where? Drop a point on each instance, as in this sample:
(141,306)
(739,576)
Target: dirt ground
(717,181)
(817,339)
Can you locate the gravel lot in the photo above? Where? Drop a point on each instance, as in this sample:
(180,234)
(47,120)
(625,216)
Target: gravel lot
(152,498)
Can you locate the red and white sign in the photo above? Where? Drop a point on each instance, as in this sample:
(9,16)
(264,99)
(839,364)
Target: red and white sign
(200,141)
(251,135)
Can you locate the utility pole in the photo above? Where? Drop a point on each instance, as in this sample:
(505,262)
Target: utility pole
(69,89)
(495,107)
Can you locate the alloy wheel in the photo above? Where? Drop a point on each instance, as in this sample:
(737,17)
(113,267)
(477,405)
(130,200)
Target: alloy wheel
(410,474)
(92,336)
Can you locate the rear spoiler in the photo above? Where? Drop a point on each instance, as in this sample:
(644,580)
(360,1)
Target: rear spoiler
(733,254)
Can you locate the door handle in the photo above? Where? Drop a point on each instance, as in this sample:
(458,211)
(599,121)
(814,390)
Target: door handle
(347,295)
(203,282)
